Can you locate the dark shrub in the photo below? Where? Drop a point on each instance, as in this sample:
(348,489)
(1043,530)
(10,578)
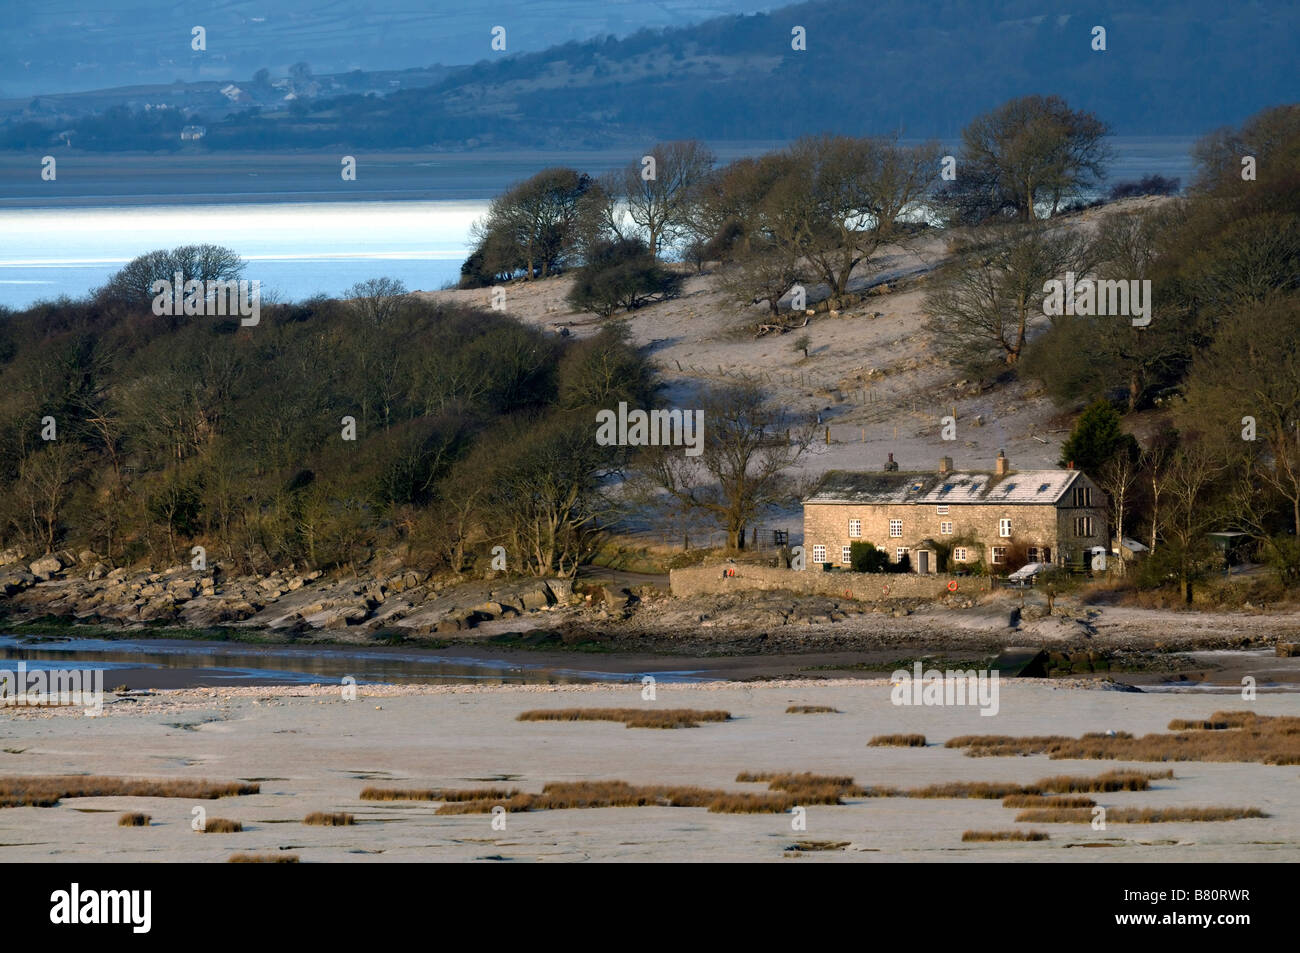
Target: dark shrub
(621,274)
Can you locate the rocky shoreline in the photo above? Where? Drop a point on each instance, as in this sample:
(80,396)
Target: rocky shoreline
(394,603)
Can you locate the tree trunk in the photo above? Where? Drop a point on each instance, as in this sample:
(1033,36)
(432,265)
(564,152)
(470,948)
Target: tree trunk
(736,536)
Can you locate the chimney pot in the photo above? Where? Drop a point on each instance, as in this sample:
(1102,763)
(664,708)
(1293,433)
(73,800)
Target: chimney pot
(945,465)
(1001,465)
(890,464)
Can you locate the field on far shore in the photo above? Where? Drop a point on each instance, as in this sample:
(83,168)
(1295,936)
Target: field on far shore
(310,750)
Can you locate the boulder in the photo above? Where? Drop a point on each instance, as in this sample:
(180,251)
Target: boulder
(45,567)
(561,589)
(16,581)
(535,599)
(12,555)
(488,611)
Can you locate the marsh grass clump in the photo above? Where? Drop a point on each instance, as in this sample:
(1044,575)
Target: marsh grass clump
(631,717)
(897,741)
(324,819)
(812,710)
(1121,780)
(262,859)
(1040,800)
(785,790)
(809,846)
(1003,836)
(133,819)
(981,741)
(1226,736)
(1108,782)
(809,788)
(437,794)
(221,825)
(28,800)
(1133,815)
(47,790)
(756,803)
(964,789)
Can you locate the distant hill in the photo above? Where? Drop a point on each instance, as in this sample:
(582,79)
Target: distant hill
(61,47)
(925,69)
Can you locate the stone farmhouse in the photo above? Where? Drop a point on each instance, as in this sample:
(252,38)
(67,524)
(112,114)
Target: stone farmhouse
(943,519)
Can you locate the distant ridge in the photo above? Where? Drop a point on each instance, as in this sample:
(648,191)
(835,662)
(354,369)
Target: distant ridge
(869,68)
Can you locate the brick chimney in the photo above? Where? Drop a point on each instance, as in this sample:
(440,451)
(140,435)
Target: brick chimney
(945,465)
(1001,467)
(890,464)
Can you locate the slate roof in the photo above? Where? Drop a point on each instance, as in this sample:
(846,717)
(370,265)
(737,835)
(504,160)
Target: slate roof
(1042,487)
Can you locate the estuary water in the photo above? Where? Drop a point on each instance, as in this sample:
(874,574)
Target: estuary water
(301,232)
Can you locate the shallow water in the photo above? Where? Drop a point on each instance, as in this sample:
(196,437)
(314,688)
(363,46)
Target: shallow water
(167,663)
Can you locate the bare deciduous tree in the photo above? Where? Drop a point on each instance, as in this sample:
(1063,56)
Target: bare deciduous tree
(44,482)
(376,300)
(748,446)
(659,205)
(983,302)
(1030,151)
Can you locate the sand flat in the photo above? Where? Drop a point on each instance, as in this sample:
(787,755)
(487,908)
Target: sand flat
(317,751)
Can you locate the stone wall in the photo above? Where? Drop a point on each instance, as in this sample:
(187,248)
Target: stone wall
(710,580)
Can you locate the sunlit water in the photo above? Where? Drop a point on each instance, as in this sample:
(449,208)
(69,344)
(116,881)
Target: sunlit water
(302,248)
(295,249)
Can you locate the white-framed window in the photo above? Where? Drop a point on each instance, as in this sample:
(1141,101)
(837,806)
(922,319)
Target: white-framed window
(942,510)
(959,553)
(896,528)
(900,552)
(1004,528)
(846,556)
(1083,526)
(855,529)
(945,529)
(999,555)
(819,554)
(1083,496)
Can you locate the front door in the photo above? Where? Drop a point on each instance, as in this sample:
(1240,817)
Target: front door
(923,562)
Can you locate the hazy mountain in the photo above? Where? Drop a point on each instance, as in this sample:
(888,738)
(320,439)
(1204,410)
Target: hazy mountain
(926,69)
(61,46)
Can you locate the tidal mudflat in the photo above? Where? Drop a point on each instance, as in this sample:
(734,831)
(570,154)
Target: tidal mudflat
(309,750)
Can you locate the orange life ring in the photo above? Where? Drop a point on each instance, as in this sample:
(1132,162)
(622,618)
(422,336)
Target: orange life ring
(952,586)
(886,590)
(848,594)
